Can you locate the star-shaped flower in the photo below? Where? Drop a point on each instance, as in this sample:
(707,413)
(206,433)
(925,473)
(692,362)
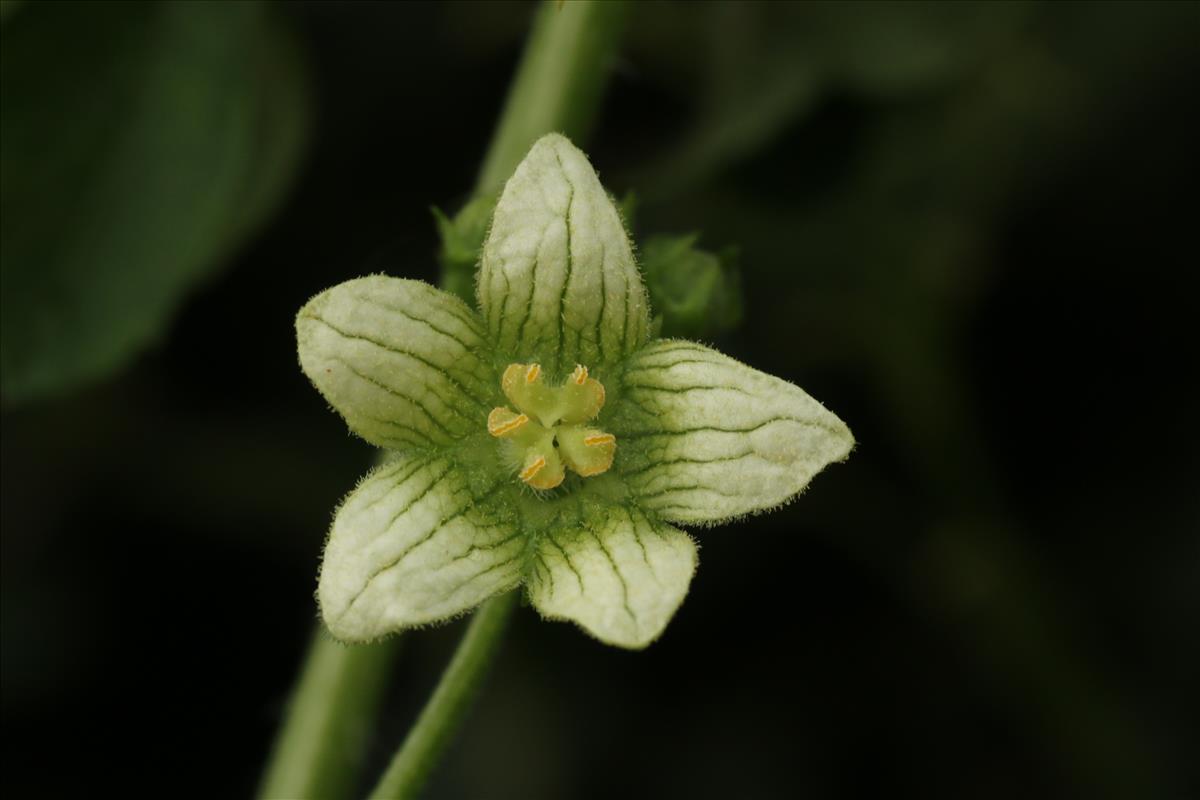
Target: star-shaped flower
(545,439)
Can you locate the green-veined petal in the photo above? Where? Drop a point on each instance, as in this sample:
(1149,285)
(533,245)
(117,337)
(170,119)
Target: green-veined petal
(704,438)
(558,283)
(620,576)
(415,543)
(404,363)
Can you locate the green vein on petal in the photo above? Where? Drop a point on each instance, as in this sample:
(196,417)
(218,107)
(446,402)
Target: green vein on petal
(404,363)
(706,438)
(415,543)
(558,283)
(617,573)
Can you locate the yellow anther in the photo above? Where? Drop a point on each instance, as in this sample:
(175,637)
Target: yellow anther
(533,469)
(502,421)
(580,374)
(599,439)
(543,472)
(533,372)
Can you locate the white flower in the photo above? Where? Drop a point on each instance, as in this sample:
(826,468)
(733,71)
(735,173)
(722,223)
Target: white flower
(544,440)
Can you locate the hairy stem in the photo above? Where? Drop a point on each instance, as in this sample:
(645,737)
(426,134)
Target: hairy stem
(450,702)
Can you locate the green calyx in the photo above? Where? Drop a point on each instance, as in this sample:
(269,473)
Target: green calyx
(546,432)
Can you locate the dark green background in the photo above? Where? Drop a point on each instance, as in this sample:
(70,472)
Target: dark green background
(970,230)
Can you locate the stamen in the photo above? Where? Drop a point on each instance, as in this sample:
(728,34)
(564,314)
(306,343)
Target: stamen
(532,373)
(599,439)
(533,469)
(502,421)
(580,374)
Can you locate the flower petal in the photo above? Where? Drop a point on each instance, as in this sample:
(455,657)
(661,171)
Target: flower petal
(403,362)
(620,576)
(558,283)
(705,438)
(415,543)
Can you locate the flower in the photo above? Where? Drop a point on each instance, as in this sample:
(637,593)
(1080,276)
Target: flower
(546,439)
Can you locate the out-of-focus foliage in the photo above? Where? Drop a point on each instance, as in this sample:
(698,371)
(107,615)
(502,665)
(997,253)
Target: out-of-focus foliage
(141,143)
(869,206)
(7,8)
(694,293)
(768,64)
(462,239)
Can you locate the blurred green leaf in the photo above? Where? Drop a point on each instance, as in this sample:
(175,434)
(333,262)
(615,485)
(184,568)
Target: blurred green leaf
(7,7)
(697,294)
(462,239)
(141,143)
(769,64)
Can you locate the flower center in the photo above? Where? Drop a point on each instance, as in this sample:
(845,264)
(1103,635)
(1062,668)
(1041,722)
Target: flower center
(547,430)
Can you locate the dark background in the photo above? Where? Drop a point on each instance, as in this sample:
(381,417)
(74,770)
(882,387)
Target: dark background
(968,230)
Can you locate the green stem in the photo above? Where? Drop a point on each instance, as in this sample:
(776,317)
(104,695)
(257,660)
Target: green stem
(558,84)
(450,702)
(319,749)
